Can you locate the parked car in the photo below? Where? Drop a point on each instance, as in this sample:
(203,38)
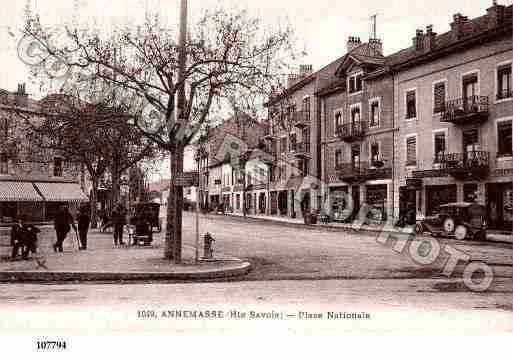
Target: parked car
(461,220)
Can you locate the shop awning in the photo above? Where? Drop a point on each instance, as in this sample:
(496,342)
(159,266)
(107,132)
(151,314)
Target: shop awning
(11,191)
(61,192)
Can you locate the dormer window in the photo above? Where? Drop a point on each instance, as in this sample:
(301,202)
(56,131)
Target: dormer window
(355,83)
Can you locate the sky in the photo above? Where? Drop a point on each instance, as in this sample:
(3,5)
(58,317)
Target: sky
(321,26)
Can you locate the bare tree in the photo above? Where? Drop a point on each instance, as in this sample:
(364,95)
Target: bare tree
(228,54)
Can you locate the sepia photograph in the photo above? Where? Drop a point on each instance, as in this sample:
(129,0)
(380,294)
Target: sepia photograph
(196,177)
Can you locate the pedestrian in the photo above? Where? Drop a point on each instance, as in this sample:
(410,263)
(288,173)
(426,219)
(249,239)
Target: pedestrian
(118,220)
(30,240)
(62,223)
(83,221)
(17,237)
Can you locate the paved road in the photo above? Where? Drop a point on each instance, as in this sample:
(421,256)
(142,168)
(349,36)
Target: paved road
(287,251)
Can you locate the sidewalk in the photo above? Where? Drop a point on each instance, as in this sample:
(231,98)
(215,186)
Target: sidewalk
(492,235)
(103,261)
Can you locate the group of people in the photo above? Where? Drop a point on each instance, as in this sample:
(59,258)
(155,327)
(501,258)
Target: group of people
(24,236)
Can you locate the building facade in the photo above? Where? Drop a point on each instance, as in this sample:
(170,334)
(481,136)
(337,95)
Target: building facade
(454,108)
(34,182)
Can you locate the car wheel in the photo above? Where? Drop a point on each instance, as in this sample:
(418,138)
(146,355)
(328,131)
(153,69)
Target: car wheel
(419,228)
(449,225)
(480,235)
(460,232)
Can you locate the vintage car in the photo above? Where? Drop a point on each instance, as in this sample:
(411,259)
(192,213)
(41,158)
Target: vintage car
(150,211)
(461,220)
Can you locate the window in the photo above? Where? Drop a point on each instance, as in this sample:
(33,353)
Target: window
(57,167)
(470,86)
(290,112)
(355,114)
(504,82)
(306,108)
(237,201)
(440,146)
(305,134)
(338,158)
(338,119)
(469,192)
(471,140)
(355,83)
(304,167)
(374,153)
(355,155)
(4,164)
(439,97)
(411,151)
(292,142)
(283,145)
(504,141)
(411,104)
(374,113)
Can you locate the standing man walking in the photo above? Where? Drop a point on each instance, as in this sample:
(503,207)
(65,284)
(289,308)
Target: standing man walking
(62,224)
(83,221)
(118,220)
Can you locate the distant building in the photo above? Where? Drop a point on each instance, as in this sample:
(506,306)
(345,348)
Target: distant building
(33,181)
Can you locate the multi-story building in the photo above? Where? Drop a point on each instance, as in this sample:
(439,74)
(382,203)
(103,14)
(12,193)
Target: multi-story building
(357,134)
(454,110)
(33,181)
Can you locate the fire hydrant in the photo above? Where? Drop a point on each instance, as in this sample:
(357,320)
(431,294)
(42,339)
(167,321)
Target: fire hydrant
(207,246)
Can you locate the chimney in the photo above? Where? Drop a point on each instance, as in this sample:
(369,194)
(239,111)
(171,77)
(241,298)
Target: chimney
(21,96)
(292,80)
(377,45)
(458,24)
(305,70)
(495,15)
(418,40)
(352,43)
(430,38)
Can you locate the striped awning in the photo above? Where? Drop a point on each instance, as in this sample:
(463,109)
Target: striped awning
(12,191)
(61,192)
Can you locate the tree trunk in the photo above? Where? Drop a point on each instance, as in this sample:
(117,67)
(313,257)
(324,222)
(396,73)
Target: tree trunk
(94,200)
(115,175)
(173,243)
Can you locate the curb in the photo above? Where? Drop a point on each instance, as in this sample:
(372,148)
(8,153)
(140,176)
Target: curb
(36,276)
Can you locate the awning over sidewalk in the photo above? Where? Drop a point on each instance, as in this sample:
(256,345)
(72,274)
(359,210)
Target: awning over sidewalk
(61,192)
(12,191)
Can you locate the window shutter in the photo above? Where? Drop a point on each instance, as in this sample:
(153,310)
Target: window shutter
(439,97)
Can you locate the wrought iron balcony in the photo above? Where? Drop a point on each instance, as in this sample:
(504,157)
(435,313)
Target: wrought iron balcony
(269,133)
(504,94)
(465,110)
(472,164)
(301,119)
(348,172)
(302,149)
(374,173)
(351,131)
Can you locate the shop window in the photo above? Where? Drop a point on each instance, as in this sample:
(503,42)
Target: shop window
(374,112)
(411,151)
(440,146)
(504,141)
(504,82)
(411,104)
(439,97)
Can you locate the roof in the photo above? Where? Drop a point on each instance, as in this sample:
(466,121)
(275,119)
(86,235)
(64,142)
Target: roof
(472,29)
(365,54)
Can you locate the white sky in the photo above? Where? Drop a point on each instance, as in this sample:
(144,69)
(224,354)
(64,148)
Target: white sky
(322,26)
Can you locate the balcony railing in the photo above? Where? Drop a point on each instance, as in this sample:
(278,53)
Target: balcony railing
(351,131)
(470,164)
(303,149)
(301,119)
(465,110)
(504,94)
(348,172)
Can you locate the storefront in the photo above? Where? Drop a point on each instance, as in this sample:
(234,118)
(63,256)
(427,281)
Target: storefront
(437,195)
(376,198)
(340,209)
(500,205)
